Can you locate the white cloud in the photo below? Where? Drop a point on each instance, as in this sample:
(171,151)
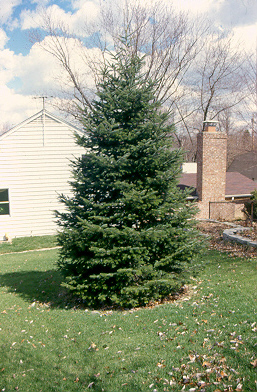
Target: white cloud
(78,4)
(15,107)
(33,19)
(238,13)
(84,12)
(8,65)
(33,74)
(39,74)
(88,11)
(226,13)
(3,39)
(193,6)
(6,9)
(247,35)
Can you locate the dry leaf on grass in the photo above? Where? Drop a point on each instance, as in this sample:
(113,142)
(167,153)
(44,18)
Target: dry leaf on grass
(254,363)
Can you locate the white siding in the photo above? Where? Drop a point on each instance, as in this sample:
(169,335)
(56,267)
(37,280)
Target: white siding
(189,167)
(35,167)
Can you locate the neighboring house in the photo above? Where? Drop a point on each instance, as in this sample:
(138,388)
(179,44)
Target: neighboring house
(238,187)
(245,164)
(220,194)
(34,169)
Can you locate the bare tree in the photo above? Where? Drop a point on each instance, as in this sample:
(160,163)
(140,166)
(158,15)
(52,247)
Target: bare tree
(215,88)
(198,74)
(251,79)
(169,40)
(220,72)
(248,112)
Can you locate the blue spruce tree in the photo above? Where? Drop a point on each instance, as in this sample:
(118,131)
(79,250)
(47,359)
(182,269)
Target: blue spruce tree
(127,236)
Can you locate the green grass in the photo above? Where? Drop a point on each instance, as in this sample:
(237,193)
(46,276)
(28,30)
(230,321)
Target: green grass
(48,344)
(28,243)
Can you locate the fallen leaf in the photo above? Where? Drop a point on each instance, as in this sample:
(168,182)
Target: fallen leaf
(254,363)
(192,357)
(92,346)
(186,380)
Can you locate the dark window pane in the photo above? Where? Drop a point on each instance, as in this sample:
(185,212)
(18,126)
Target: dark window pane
(4,195)
(4,209)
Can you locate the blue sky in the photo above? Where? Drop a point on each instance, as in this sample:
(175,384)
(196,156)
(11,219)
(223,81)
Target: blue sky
(27,72)
(18,37)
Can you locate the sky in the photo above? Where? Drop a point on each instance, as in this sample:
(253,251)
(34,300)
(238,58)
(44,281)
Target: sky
(27,72)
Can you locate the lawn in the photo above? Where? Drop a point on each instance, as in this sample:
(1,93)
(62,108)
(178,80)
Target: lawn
(28,243)
(205,341)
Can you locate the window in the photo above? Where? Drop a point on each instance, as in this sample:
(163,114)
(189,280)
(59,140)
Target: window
(4,202)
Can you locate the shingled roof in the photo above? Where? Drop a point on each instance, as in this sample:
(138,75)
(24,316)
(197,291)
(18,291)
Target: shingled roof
(236,184)
(245,164)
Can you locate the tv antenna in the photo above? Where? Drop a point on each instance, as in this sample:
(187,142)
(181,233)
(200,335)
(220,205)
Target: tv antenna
(44,97)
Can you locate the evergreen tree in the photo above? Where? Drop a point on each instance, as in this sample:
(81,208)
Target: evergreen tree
(127,235)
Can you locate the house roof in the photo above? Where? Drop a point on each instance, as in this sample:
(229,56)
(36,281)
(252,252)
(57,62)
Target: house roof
(34,117)
(245,164)
(236,184)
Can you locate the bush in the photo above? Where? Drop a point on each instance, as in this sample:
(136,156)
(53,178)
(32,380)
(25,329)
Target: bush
(251,207)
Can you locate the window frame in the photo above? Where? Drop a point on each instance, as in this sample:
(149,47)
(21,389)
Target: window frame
(5,203)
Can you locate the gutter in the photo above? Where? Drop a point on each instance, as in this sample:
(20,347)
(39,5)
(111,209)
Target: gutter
(226,197)
(233,197)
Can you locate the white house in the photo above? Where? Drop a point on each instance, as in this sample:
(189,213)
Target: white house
(34,168)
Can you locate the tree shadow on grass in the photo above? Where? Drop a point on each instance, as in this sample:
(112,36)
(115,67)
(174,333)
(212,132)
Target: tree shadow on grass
(39,286)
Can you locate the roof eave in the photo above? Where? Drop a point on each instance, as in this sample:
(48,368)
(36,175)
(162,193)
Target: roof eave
(28,120)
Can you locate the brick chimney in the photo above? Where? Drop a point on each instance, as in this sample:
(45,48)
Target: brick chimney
(211,166)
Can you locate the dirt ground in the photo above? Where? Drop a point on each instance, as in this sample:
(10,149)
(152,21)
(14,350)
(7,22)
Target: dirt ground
(214,231)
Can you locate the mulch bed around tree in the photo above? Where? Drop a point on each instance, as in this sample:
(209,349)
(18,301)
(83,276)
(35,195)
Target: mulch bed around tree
(214,233)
